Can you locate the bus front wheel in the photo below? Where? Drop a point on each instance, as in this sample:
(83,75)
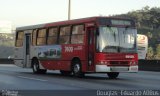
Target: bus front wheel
(36,69)
(113,75)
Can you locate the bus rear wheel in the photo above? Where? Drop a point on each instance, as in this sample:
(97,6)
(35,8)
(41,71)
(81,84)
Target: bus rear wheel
(65,73)
(36,69)
(113,75)
(77,69)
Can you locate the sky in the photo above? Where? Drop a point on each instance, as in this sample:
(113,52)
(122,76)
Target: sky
(31,12)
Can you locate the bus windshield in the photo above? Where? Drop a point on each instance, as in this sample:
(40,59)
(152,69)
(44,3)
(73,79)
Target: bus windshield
(114,40)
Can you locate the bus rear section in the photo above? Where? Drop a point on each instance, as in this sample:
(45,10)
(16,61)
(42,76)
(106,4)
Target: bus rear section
(90,45)
(142,45)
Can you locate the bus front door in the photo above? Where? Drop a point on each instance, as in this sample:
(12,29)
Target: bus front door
(90,48)
(27,41)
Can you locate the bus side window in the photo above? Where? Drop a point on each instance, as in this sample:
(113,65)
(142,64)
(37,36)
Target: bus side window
(19,39)
(41,39)
(77,34)
(65,35)
(52,36)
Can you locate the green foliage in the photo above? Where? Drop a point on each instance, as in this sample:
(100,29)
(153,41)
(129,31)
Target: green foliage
(148,18)
(150,53)
(157,56)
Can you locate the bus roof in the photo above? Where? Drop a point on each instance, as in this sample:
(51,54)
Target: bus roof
(67,22)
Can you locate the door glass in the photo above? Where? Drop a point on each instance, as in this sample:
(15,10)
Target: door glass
(27,44)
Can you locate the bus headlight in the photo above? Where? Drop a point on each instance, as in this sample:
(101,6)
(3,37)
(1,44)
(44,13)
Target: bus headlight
(133,63)
(103,63)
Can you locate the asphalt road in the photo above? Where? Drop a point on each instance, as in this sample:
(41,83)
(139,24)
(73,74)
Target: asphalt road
(15,78)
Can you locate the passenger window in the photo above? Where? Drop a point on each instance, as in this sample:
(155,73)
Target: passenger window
(19,39)
(77,34)
(65,35)
(52,36)
(41,39)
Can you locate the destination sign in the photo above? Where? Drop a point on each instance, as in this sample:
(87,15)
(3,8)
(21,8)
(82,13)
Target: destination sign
(120,22)
(116,22)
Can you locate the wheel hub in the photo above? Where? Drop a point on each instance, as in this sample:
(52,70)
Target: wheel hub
(35,67)
(76,68)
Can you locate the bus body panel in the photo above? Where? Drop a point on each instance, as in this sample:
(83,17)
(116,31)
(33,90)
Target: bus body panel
(18,57)
(58,57)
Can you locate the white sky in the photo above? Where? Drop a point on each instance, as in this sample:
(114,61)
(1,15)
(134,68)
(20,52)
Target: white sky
(28,12)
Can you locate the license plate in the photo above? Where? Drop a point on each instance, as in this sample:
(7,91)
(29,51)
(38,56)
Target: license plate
(117,69)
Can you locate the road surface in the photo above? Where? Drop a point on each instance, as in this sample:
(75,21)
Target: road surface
(16,78)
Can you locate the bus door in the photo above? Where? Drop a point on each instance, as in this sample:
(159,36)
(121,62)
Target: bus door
(91,48)
(27,41)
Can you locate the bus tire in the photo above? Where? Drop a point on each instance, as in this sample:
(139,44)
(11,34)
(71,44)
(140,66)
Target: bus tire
(77,68)
(113,75)
(65,73)
(36,69)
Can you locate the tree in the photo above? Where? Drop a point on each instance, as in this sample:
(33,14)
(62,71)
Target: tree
(150,53)
(155,19)
(149,35)
(157,56)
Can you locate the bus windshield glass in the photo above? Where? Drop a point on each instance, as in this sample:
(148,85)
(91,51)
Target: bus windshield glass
(115,40)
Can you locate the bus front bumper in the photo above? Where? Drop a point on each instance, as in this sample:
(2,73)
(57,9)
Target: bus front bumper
(105,68)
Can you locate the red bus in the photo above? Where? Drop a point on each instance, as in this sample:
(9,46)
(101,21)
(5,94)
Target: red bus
(88,45)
